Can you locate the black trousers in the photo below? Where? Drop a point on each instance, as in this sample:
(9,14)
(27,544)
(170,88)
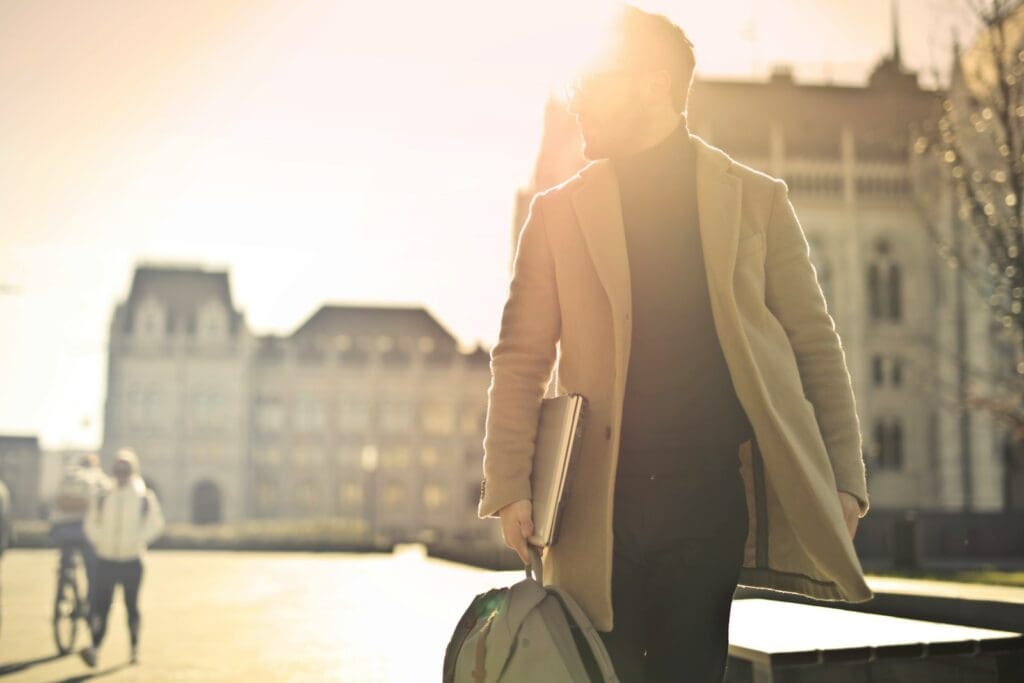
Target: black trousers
(678,550)
(109,573)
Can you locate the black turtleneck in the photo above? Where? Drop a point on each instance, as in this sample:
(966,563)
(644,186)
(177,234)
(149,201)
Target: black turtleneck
(682,420)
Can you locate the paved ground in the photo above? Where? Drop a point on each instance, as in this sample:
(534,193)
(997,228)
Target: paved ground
(213,616)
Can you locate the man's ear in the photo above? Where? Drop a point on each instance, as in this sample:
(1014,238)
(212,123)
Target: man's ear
(659,85)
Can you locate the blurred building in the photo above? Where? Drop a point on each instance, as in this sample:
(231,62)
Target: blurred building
(846,153)
(178,389)
(368,414)
(20,471)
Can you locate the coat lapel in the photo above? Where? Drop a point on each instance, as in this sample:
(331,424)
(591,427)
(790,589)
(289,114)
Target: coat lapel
(718,208)
(599,212)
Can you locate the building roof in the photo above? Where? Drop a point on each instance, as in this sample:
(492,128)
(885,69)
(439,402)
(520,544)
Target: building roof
(16,443)
(399,321)
(880,114)
(181,290)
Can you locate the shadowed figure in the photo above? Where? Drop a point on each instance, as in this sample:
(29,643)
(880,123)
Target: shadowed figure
(677,286)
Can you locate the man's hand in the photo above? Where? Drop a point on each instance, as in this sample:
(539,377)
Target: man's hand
(517,526)
(851,511)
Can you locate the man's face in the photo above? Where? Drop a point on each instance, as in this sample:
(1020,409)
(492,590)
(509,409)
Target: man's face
(609,109)
(122,471)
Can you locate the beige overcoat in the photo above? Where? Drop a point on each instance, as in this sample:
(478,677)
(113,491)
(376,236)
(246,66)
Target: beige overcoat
(569,300)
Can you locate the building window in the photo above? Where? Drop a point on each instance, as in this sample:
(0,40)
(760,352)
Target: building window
(888,444)
(268,456)
(472,420)
(350,494)
(269,415)
(353,416)
(208,409)
(438,418)
(308,496)
(877,370)
(393,493)
(266,496)
(396,416)
(440,356)
(308,457)
(350,456)
(150,321)
(435,496)
(430,457)
(309,415)
(394,457)
(426,344)
(309,352)
(895,293)
(212,322)
(897,371)
(933,440)
(395,355)
(352,351)
(885,290)
(874,292)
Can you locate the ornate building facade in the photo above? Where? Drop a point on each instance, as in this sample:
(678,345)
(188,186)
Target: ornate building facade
(364,414)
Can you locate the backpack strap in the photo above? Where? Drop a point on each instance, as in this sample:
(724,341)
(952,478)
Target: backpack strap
(578,617)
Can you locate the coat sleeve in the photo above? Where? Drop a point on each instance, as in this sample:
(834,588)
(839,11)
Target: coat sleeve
(795,298)
(521,364)
(154,524)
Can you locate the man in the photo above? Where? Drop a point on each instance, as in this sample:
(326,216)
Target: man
(723,445)
(121,524)
(79,484)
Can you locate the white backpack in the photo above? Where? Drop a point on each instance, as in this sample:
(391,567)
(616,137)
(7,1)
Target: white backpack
(524,633)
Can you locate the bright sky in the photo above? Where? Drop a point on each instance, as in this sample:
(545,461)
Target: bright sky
(320,150)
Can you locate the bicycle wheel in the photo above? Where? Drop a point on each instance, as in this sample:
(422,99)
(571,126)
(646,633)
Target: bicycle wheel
(65,614)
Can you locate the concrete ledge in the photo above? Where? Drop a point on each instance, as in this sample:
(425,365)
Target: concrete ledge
(965,604)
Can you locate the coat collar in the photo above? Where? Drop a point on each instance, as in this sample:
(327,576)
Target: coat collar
(599,212)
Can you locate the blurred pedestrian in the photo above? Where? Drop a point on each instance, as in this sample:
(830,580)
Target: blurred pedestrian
(80,483)
(121,524)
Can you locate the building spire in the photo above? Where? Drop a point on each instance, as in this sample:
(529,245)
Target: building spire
(896,33)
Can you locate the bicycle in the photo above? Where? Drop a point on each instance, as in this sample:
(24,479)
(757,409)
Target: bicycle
(69,605)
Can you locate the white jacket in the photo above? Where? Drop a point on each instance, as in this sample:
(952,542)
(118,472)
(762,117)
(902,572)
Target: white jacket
(118,528)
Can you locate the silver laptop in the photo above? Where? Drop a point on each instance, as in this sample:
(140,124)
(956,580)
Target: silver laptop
(559,437)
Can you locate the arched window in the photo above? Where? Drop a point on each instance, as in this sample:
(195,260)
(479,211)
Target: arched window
(212,322)
(150,321)
(888,444)
(874,292)
(895,295)
(884,281)
(896,444)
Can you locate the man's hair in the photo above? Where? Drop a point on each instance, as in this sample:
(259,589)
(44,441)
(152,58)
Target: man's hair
(653,41)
